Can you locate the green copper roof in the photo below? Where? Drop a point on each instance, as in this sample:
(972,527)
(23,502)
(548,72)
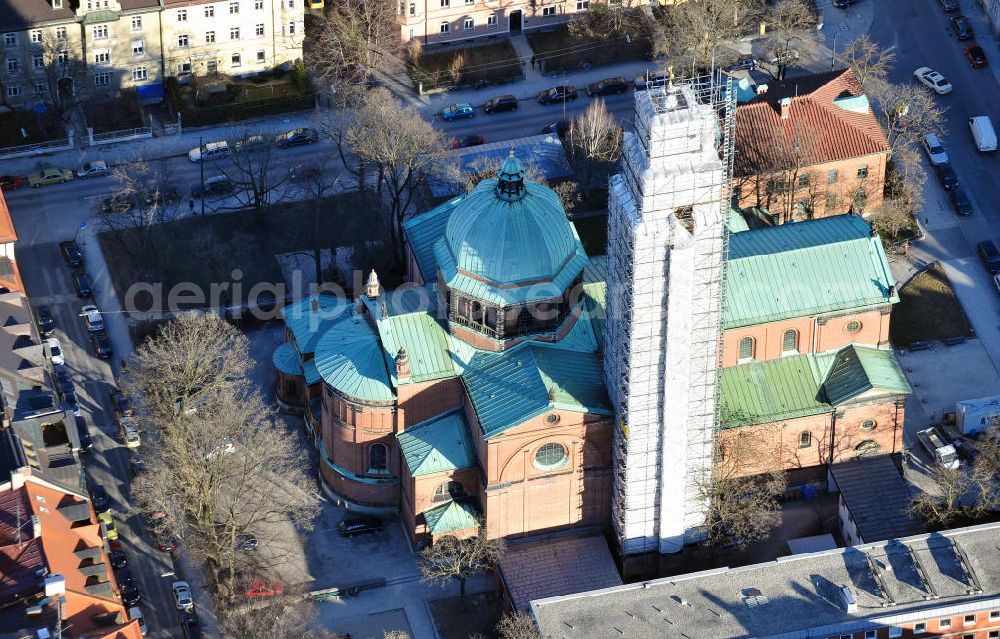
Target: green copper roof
(349,358)
(94,17)
(437,445)
(307,323)
(859,369)
(451,516)
(425,342)
(800,269)
(770,391)
(510,387)
(286,359)
(736,221)
(809,384)
(423,231)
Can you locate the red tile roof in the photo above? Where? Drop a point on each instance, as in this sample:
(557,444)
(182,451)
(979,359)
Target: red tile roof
(817,129)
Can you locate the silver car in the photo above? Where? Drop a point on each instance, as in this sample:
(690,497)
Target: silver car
(934,149)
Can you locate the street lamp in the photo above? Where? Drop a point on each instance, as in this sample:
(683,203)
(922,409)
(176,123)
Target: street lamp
(201,165)
(833,56)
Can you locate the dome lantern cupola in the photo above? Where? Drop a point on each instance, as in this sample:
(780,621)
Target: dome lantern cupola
(510,179)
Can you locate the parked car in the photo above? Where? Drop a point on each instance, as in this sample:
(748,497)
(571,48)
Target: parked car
(359,526)
(49,176)
(297,137)
(946,176)
(976,56)
(53,350)
(961,201)
(643,82)
(215,185)
(305,173)
(11,182)
(116,204)
(94,169)
(135,614)
(43,317)
(500,104)
(934,149)
(130,592)
(250,144)
(121,403)
(745,62)
(561,93)
(101,344)
(71,402)
(556,127)
(469,140)
(182,595)
(962,28)
(246,541)
(99,499)
(933,80)
(92,316)
(163,193)
(843,4)
(996,283)
(608,86)
(260,588)
(210,151)
(457,112)
(137,466)
(71,253)
(118,559)
(128,432)
(86,441)
(81,284)
(110,530)
(189,621)
(990,255)
(983,133)
(949,5)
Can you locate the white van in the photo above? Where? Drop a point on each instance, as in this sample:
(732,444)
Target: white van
(209,151)
(983,133)
(135,613)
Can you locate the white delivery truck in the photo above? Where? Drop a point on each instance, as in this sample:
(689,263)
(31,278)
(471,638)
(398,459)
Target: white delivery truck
(939,448)
(983,133)
(975,415)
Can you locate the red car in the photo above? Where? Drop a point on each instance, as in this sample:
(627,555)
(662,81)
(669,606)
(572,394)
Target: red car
(976,56)
(469,140)
(263,589)
(11,182)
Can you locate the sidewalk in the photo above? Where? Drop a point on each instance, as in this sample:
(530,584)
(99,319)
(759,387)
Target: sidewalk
(160,147)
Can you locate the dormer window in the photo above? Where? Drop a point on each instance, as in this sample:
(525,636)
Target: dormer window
(57,4)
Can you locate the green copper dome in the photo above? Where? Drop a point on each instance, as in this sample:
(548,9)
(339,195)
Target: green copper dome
(509,231)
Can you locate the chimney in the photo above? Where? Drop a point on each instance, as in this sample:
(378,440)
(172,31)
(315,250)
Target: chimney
(402,365)
(55,585)
(786,104)
(892,290)
(373,286)
(36,526)
(761,89)
(847,597)
(314,305)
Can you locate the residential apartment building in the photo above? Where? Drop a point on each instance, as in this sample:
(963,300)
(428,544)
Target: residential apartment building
(100,47)
(441,21)
(56,580)
(943,584)
(232,37)
(810,147)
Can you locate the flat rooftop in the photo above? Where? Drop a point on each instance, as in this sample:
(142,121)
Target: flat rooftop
(796,596)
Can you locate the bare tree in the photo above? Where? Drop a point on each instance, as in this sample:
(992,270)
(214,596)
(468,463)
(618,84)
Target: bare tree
(315,182)
(282,617)
(252,168)
(64,76)
(742,494)
(868,61)
(907,112)
(352,41)
(216,465)
(699,31)
(452,558)
(605,20)
(134,213)
(790,32)
(193,355)
(401,145)
(595,138)
(517,625)
(891,217)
